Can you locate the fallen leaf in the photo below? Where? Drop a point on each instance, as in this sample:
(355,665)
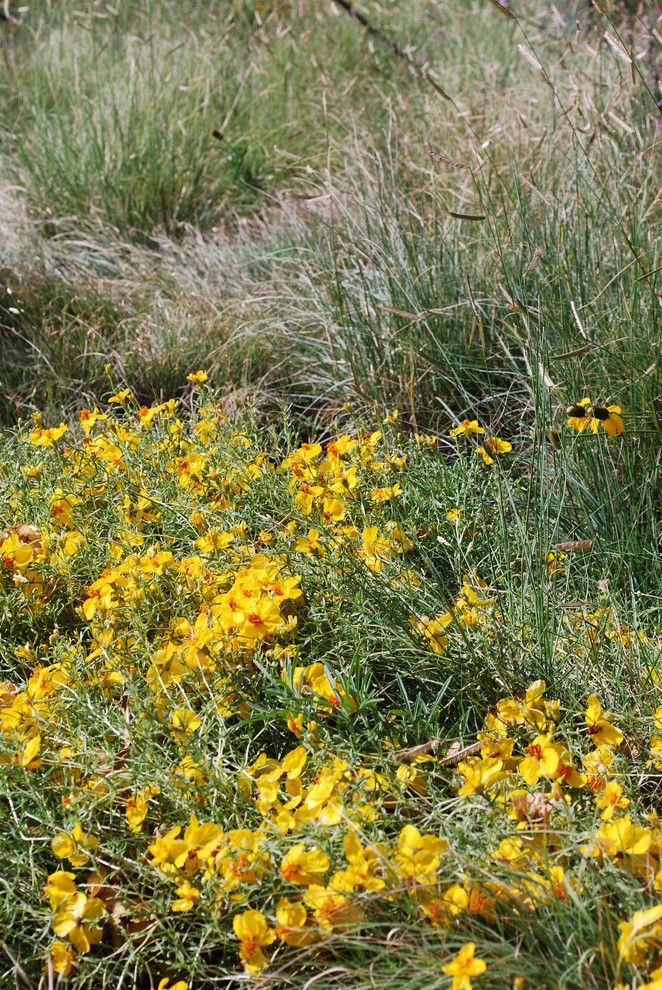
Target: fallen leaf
(447,161)
(574,546)
(467,216)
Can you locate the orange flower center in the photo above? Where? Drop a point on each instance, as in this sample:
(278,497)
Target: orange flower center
(291,872)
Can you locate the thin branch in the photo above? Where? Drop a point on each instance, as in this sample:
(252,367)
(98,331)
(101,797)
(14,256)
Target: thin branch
(391,43)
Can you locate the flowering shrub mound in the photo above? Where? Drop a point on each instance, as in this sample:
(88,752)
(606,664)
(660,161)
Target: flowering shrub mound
(271,709)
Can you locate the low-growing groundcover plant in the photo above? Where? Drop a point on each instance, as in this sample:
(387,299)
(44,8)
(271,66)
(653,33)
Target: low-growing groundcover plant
(370,711)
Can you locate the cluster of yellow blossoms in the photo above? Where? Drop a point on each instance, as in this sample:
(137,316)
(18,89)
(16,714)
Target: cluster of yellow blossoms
(334,883)
(169,605)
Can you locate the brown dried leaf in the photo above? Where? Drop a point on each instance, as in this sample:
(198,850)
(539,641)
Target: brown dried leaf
(467,216)
(401,312)
(503,8)
(457,753)
(533,808)
(571,354)
(574,546)
(447,161)
(420,750)
(121,756)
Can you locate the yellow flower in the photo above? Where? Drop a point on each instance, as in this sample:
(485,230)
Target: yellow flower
(137,806)
(187,897)
(31,472)
(611,799)
(165,984)
(620,837)
(381,495)
(455,899)
(479,775)
(75,846)
(171,854)
(331,908)
(197,377)
(493,446)
(600,728)
(340,447)
(542,760)
(291,920)
(642,928)
(375,549)
(467,426)
(584,414)
(121,397)
(59,887)
(47,438)
(88,419)
(529,709)
(496,445)
(185,722)
(578,415)
(656,981)
(310,544)
(597,764)
(464,966)
(76,919)
(567,773)
(240,859)
(214,540)
(62,958)
(454,515)
(362,863)
(30,755)
(102,449)
(656,752)
(433,630)
(553,561)
(303,868)
(440,911)
(293,763)
(417,857)
(399,539)
(254,934)
(612,423)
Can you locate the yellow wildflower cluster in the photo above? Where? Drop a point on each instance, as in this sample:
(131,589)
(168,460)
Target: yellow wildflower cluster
(585,414)
(492,446)
(469,609)
(182,703)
